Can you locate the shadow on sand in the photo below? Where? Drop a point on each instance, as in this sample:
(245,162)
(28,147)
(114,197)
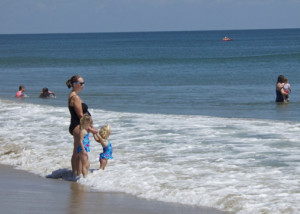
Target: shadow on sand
(67,174)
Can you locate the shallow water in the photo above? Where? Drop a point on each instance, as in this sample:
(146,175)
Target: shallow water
(240,165)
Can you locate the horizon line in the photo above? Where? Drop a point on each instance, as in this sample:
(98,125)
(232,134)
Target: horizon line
(154,31)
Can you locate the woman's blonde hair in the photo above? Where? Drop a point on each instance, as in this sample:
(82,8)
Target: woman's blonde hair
(105,131)
(85,119)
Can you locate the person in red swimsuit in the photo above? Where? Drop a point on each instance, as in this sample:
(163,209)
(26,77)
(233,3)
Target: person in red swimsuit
(21,91)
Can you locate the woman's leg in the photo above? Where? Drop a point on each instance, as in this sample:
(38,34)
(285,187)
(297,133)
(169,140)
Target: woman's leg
(78,165)
(75,160)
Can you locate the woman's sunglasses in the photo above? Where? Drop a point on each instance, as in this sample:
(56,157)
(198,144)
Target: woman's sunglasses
(81,83)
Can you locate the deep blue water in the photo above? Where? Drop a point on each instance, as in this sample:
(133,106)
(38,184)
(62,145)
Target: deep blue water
(192,73)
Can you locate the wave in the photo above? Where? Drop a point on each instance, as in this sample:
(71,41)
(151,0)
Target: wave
(238,165)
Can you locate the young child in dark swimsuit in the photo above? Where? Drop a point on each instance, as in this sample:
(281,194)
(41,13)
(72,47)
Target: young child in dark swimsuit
(46,93)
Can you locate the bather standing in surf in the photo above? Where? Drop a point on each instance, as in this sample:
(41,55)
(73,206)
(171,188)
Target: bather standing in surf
(77,108)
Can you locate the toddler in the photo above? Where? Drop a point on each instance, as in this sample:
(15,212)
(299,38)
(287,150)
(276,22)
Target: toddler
(287,89)
(102,138)
(84,146)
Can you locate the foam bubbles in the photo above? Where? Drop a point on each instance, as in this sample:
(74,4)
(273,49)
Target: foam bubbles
(239,165)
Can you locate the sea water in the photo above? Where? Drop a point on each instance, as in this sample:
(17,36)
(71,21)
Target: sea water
(193,118)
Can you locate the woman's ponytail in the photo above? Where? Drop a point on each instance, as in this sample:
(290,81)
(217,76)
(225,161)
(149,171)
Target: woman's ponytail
(68,83)
(73,79)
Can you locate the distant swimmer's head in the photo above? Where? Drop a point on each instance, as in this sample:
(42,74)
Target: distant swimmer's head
(45,90)
(45,93)
(105,131)
(75,81)
(280,79)
(22,88)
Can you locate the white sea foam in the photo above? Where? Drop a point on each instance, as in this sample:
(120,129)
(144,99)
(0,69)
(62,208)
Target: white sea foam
(239,165)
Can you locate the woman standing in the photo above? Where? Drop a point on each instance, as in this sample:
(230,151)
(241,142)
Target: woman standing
(280,94)
(77,108)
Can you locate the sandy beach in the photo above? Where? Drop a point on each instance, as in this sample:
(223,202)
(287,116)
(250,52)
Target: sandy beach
(23,192)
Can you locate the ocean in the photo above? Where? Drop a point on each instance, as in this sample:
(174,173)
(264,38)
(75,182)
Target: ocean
(194,119)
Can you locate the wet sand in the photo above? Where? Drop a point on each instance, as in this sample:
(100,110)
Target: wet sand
(23,192)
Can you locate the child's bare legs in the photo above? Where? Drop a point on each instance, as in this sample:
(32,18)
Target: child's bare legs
(84,159)
(86,168)
(103,163)
(286,98)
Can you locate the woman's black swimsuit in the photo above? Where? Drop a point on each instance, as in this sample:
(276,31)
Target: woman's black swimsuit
(75,120)
(279,97)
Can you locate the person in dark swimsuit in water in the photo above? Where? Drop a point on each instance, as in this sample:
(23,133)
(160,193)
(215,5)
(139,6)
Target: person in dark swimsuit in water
(280,94)
(77,108)
(46,93)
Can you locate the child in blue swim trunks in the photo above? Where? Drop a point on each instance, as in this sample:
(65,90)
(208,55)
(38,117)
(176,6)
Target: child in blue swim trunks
(102,138)
(84,146)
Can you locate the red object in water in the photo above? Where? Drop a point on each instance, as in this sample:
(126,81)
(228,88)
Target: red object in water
(226,39)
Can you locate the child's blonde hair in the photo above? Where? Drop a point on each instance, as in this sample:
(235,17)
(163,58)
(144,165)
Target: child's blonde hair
(105,131)
(85,119)
(286,80)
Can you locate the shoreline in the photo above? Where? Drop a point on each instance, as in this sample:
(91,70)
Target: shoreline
(24,192)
